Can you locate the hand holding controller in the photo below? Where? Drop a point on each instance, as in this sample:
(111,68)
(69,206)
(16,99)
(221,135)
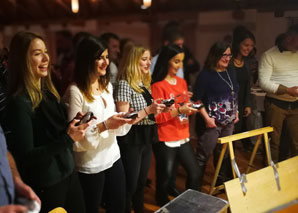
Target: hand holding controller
(86,118)
(32,205)
(132,115)
(168,102)
(197,106)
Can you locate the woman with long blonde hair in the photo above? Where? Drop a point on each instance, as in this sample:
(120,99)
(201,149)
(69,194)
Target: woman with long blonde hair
(38,133)
(133,91)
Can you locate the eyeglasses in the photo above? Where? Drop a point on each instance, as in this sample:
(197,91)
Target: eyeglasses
(227,55)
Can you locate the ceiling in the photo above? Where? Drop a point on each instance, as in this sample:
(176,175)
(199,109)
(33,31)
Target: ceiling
(14,12)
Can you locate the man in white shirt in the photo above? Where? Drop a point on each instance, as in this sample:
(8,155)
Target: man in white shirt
(278,76)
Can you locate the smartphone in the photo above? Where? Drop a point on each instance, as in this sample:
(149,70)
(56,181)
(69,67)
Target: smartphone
(197,106)
(132,115)
(168,102)
(86,118)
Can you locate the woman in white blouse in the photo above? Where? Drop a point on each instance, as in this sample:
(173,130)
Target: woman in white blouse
(97,157)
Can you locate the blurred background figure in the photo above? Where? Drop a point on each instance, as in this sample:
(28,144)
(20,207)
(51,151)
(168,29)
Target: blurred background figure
(242,45)
(278,77)
(63,69)
(113,42)
(171,34)
(3,73)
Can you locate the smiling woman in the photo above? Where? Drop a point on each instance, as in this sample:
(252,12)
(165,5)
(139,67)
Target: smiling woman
(97,155)
(217,88)
(38,133)
(242,46)
(173,126)
(39,58)
(133,91)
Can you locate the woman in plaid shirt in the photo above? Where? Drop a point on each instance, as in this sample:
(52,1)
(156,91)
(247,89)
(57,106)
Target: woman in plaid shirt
(133,91)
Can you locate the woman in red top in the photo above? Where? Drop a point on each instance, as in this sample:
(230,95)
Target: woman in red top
(173,126)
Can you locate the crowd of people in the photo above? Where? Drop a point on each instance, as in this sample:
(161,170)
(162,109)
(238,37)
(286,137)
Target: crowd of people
(85,139)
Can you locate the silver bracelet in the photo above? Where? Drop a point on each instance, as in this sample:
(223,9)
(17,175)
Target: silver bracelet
(105,124)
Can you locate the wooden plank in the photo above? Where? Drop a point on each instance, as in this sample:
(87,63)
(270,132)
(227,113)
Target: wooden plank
(242,135)
(262,193)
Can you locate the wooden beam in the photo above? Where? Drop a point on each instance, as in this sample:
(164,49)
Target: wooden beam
(242,135)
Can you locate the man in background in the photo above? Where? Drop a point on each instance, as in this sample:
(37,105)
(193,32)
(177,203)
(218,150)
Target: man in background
(113,43)
(278,76)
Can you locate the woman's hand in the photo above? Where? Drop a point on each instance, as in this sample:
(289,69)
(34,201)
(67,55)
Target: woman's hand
(210,123)
(247,111)
(115,121)
(23,190)
(77,133)
(237,117)
(187,109)
(155,107)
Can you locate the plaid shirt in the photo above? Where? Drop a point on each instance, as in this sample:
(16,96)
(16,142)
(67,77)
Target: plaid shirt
(136,100)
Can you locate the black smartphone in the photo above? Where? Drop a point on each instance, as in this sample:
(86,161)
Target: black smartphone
(86,118)
(132,115)
(168,102)
(197,106)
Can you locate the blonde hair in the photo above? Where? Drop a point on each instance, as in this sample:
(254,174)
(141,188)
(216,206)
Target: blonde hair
(21,78)
(129,68)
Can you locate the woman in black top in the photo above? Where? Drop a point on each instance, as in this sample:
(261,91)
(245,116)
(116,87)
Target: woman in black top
(242,46)
(36,127)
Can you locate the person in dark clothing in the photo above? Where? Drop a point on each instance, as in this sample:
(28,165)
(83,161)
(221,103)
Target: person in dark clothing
(217,87)
(3,77)
(242,46)
(37,132)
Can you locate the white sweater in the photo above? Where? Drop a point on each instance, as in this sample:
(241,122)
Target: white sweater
(277,68)
(97,151)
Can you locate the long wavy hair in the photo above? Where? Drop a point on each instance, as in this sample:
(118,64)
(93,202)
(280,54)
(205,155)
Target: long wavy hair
(129,68)
(89,50)
(21,78)
(215,53)
(162,64)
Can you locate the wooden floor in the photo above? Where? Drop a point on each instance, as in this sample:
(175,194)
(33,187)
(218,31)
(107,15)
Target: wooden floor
(242,158)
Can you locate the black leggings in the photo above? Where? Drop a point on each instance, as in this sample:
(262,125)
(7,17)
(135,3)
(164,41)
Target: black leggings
(110,183)
(165,159)
(67,194)
(136,161)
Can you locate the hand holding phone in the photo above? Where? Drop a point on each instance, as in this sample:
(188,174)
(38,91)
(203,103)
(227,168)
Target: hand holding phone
(168,102)
(197,106)
(32,205)
(132,115)
(86,118)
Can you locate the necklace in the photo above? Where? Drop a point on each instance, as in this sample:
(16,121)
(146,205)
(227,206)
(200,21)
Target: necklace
(238,62)
(229,84)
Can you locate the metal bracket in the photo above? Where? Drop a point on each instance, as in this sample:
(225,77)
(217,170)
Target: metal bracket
(242,177)
(274,167)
